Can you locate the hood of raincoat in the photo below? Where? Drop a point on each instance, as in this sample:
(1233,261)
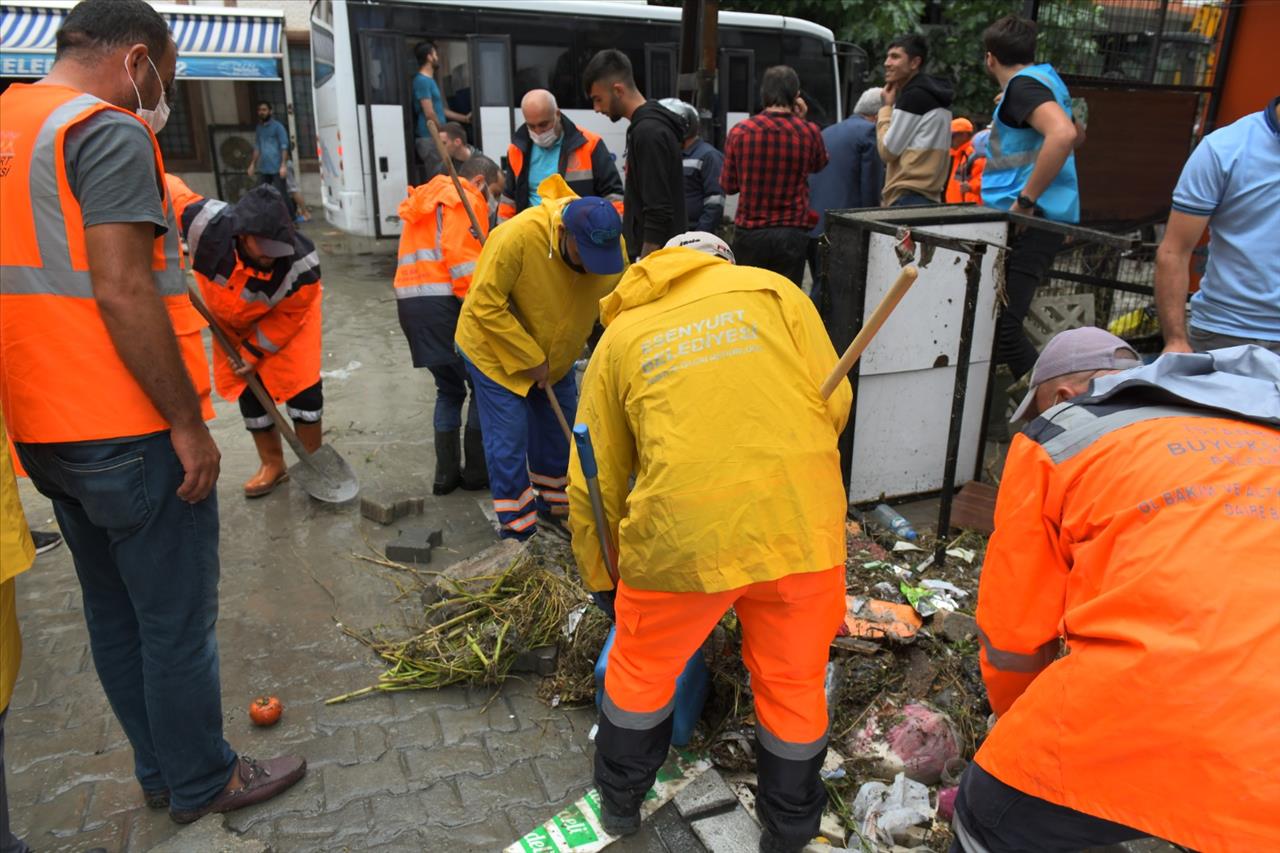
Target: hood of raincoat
(424,198)
(652,279)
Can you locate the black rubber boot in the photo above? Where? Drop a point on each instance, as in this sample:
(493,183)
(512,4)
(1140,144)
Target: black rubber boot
(448,463)
(475,473)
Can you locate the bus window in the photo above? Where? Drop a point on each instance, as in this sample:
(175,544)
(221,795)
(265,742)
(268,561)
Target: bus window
(495,87)
(544,66)
(807,56)
(661,70)
(382,71)
(740,97)
(321,56)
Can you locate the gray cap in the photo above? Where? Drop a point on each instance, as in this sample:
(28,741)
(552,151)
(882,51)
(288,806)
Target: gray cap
(1075,351)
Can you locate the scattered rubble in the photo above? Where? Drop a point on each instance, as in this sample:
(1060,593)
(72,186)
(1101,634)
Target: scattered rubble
(915,739)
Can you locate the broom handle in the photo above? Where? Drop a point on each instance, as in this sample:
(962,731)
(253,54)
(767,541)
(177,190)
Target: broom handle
(906,278)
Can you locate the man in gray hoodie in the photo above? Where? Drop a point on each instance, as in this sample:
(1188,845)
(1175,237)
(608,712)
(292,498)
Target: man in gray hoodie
(913,128)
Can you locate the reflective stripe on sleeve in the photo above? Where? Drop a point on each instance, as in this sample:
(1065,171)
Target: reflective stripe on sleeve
(264,343)
(692,163)
(459,270)
(1006,661)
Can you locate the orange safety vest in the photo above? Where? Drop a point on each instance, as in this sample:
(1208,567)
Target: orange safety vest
(437,249)
(578,172)
(1148,538)
(61,378)
(965,168)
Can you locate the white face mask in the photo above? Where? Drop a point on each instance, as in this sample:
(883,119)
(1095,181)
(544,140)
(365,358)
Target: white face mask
(547,138)
(157,116)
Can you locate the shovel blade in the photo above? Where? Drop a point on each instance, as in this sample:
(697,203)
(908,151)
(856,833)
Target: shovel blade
(326,476)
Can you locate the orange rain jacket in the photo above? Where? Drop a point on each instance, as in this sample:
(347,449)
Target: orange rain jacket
(1148,539)
(273,316)
(965,168)
(61,378)
(437,249)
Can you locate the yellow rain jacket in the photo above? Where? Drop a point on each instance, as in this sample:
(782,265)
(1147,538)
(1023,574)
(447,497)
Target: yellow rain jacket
(16,554)
(526,305)
(705,387)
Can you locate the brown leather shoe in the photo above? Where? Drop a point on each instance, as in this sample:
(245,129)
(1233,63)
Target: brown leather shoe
(156,799)
(258,781)
(273,471)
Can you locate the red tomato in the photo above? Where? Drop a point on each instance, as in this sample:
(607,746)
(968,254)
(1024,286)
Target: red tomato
(265,711)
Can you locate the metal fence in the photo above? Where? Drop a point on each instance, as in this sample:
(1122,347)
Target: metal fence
(1100,286)
(1151,42)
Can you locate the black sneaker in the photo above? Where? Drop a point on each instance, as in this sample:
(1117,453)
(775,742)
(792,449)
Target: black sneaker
(554,524)
(45,540)
(619,826)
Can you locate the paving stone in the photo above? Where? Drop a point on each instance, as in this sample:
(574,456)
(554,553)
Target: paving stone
(210,835)
(147,828)
(61,817)
(674,832)
(444,807)
(348,822)
(564,775)
(519,784)
(419,731)
(457,725)
(953,626)
(385,507)
(734,830)
(393,817)
(413,545)
(706,794)
(506,748)
(427,766)
(363,781)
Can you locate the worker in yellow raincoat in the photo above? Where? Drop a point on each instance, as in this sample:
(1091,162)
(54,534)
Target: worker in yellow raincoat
(533,301)
(705,388)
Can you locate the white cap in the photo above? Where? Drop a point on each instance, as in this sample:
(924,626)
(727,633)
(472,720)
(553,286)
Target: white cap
(703,241)
(1076,351)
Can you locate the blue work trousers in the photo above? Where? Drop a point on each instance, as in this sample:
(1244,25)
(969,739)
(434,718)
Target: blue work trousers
(526,451)
(451,395)
(148,568)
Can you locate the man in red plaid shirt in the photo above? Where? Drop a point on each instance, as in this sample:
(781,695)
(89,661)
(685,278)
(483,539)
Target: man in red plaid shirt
(768,159)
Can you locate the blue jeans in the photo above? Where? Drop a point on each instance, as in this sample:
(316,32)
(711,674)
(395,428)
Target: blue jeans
(525,449)
(148,568)
(451,395)
(911,199)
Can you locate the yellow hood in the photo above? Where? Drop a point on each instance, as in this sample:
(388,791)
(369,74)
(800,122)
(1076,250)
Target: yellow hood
(650,279)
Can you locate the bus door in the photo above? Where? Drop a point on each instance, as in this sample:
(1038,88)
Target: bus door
(385,121)
(493,110)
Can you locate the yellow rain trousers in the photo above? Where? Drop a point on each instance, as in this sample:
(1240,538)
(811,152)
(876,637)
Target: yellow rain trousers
(705,386)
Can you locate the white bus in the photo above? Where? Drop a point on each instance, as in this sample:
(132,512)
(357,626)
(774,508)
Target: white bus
(494,51)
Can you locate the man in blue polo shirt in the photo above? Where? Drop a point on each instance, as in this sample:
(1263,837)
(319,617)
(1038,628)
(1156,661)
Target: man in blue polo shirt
(1231,183)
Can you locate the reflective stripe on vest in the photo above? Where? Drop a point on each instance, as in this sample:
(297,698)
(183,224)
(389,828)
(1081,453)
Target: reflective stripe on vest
(50,324)
(1012,153)
(1067,429)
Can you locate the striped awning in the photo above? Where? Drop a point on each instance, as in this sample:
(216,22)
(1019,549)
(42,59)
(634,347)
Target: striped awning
(211,45)
(34,28)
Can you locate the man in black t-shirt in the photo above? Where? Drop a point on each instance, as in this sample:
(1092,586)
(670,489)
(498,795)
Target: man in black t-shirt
(1030,170)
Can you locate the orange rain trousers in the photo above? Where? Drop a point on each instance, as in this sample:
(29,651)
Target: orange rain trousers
(787,628)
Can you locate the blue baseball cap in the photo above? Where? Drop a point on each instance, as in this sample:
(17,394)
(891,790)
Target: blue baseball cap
(596,229)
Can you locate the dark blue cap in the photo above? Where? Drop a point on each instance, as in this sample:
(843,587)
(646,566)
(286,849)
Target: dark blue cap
(596,229)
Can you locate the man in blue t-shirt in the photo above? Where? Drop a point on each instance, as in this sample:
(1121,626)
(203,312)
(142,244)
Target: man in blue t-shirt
(428,103)
(1231,184)
(270,162)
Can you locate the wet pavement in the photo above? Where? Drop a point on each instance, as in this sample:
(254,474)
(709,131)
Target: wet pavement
(455,769)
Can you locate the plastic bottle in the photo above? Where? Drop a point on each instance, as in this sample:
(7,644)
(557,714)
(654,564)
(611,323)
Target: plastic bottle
(692,688)
(888,518)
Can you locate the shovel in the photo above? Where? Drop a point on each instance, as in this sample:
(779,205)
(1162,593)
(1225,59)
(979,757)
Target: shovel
(324,475)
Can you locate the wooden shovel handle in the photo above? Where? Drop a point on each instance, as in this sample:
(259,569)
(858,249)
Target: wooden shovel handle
(906,278)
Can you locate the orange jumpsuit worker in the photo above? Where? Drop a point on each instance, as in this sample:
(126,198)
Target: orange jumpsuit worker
(438,253)
(1139,523)
(964,183)
(261,280)
(705,385)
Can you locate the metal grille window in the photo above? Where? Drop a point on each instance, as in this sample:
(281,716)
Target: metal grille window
(178,139)
(304,112)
